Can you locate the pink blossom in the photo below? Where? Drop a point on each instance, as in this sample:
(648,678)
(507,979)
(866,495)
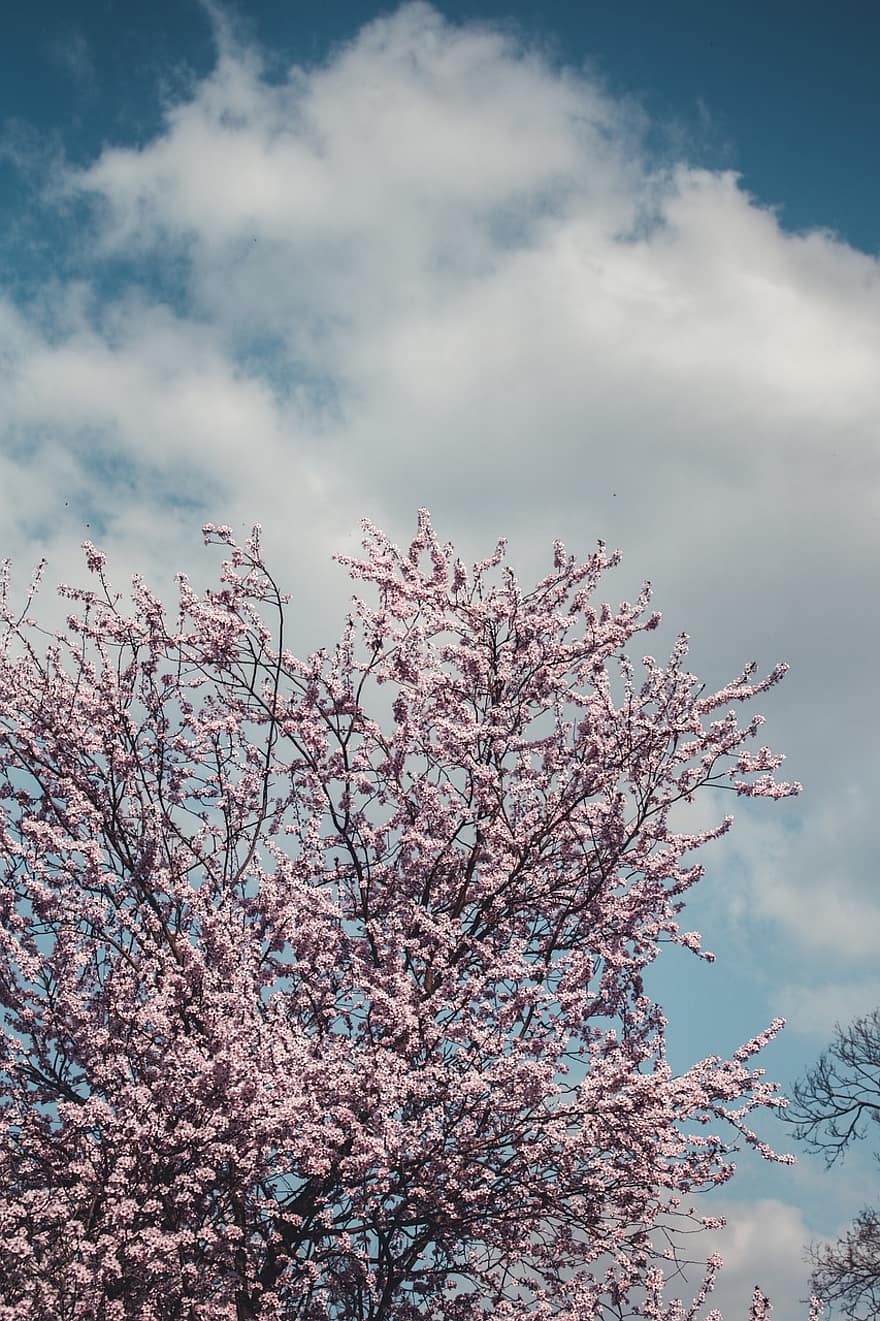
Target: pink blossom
(292,990)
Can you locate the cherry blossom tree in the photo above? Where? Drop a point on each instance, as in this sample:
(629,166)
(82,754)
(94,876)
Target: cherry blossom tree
(322,979)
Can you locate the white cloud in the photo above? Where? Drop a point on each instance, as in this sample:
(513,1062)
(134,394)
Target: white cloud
(815,1010)
(385,130)
(818,881)
(440,270)
(763,1243)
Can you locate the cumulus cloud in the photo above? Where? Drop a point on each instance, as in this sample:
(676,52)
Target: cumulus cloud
(439,269)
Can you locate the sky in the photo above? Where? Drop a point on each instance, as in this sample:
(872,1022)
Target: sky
(572,271)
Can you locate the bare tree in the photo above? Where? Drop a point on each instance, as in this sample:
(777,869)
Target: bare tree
(832,1107)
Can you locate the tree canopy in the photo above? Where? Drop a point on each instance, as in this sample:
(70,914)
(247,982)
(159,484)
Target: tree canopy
(322,978)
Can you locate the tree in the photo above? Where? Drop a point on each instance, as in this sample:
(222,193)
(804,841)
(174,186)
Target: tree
(833,1107)
(297,954)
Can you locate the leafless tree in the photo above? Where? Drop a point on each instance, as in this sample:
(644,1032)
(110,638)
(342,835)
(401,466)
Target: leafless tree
(833,1106)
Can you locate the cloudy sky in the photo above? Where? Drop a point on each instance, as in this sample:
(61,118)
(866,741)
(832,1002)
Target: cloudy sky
(579,271)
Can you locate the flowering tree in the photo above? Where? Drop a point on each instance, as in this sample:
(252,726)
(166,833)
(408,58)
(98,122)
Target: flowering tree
(298,954)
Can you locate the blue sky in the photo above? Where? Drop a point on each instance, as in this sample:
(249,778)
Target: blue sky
(578,271)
